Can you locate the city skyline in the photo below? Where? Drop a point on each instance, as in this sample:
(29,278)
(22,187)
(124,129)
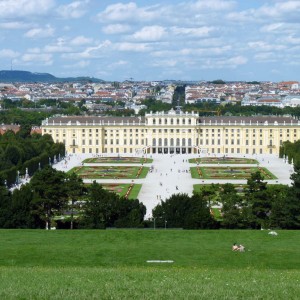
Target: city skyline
(152,40)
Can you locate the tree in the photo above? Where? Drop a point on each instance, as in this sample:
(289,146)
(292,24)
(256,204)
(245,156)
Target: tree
(5,205)
(182,211)
(75,190)
(285,211)
(259,200)
(21,209)
(99,207)
(232,207)
(50,193)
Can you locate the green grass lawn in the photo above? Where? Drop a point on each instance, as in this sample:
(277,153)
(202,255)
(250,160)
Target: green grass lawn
(229,172)
(111,264)
(223,160)
(122,188)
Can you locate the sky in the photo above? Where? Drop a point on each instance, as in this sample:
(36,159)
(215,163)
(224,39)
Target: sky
(153,40)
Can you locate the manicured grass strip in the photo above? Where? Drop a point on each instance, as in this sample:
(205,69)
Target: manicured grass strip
(135,191)
(118,160)
(110,172)
(121,189)
(222,160)
(229,172)
(157,282)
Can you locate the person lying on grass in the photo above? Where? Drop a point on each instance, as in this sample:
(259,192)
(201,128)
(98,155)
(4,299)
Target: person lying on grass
(235,247)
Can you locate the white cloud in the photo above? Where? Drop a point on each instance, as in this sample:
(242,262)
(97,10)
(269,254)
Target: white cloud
(90,52)
(14,25)
(73,10)
(132,47)
(36,33)
(213,5)
(41,58)
(9,53)
(57,49)
(34,50)
(80,40)
(21,8)
(116,28)
(195,32)
(263,46)
(122,12)
(150,33)
(266,57)
(272,27)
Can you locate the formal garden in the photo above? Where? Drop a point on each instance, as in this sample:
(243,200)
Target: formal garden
(222,160)
(110,172)
(229,172)
(118,159)
(127,190)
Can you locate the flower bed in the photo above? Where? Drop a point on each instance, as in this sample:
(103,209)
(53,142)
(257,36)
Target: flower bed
(112,172)
(223,160)
(118,159)
(229,172)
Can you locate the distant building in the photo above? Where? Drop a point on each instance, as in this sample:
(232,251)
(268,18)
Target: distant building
(5,127)
(292,100)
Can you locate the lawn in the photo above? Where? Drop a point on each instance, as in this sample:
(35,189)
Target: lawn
(229,172)
(111,172)
(222,160)
(122,188)
(119,160)
(112,264)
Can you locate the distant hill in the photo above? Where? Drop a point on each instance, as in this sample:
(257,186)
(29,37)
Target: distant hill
(25,76)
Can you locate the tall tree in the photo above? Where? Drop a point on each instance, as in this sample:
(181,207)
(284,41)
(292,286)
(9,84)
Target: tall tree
(75,190)
(49,186)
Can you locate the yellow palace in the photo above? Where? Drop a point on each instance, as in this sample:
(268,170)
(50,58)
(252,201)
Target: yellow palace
(172,132)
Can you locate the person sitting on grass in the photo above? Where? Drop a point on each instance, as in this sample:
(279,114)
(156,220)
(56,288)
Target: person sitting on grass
(235,247)
(242,248)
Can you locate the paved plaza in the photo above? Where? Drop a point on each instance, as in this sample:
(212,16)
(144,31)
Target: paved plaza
(171,175)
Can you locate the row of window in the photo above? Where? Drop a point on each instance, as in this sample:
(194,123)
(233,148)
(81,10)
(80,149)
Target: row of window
(166,142)
(171,121)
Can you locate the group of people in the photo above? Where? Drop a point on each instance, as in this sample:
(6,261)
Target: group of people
(236,247)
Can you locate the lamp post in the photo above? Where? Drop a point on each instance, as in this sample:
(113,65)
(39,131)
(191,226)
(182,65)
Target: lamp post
(166,224)
(154,223)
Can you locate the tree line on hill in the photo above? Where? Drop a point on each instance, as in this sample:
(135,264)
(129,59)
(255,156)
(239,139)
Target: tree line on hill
(57,199)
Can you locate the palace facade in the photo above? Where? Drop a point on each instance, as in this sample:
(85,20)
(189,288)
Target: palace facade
(172,132)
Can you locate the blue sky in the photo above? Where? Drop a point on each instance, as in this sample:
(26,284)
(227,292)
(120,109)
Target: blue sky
(153,40)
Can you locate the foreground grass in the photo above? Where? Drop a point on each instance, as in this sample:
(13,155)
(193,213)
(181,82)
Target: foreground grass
(112,264)
(147,283)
